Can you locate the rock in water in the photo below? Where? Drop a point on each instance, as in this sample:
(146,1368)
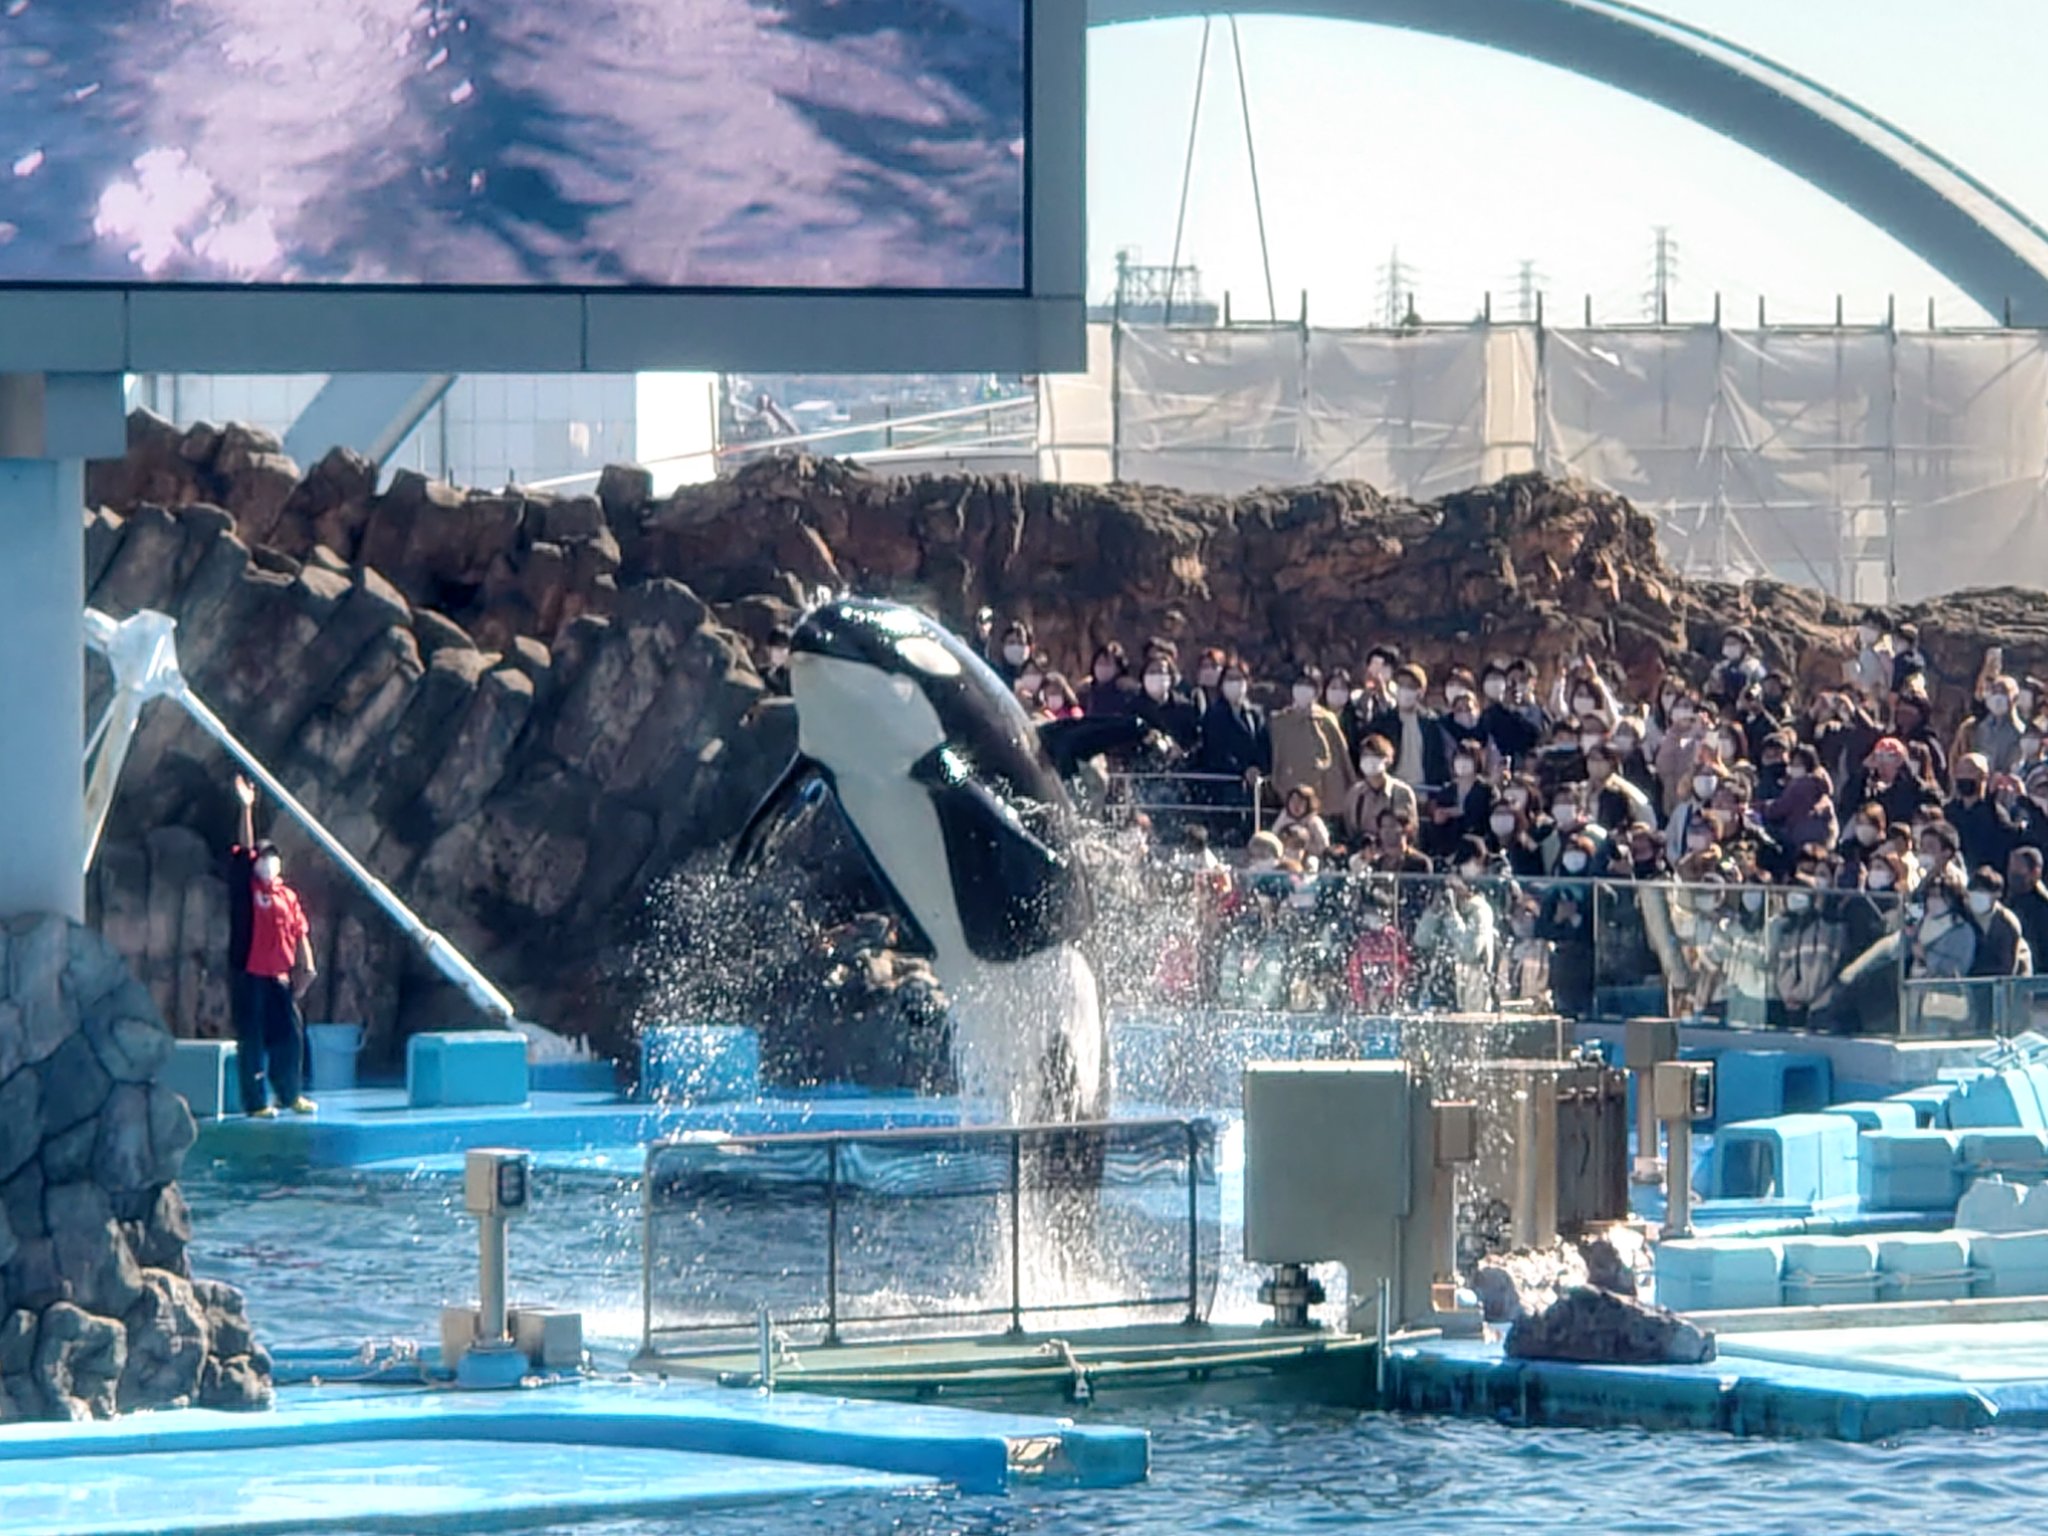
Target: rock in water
(1595,1327)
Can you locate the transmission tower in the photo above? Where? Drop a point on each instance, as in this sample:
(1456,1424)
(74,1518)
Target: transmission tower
(1529,283)
(1663,275)
(1397,293)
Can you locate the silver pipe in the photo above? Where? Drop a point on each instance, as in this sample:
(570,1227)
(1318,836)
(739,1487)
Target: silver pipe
(491,1281)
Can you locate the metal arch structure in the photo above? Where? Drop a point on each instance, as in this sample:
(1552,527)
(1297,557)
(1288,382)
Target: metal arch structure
(1982,243)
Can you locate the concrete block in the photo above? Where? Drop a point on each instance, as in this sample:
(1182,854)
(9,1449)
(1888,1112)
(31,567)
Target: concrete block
(1824,1271)
(465,1069)
(1880,1114)
(1908,1170)
(2009,1264)
(1755,1085)
(549,1337)
(1992,1205)
(699,1063)
(1929,1104)
(204,1073)
(1923,1266)
(2021,1154)
(1719,1274)
(1998,1100)
(1810,1159)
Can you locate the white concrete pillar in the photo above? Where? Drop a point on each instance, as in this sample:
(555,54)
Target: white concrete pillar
(42,687)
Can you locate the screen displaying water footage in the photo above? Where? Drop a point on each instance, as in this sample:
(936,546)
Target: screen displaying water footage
(725,144)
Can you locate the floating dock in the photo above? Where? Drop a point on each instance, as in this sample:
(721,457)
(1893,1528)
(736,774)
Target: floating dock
(351,1458)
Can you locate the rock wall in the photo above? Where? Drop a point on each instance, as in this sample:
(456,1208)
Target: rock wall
(99,1310)
(527,711)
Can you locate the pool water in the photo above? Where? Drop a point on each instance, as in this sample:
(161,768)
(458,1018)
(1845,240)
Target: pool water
(344,1259)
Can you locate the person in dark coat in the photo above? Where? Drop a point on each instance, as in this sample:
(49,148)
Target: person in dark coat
(1982,824)
(1011,656)
(2027,900)
(1234,746)
(1890,781)
(1512,721)
(1167,708)
(1421,749)
(2001,943)
(1110,690)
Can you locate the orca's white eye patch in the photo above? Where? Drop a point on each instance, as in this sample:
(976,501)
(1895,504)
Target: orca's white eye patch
(928,656)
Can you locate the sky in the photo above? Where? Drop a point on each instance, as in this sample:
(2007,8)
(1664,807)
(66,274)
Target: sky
(1471,162)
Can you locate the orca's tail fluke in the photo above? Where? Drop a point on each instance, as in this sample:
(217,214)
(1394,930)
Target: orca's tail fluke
(801,782)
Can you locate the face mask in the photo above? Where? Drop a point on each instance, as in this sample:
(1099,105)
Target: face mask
(1206,676)
(1589,741)
(1472,871)
(1372,767)
(1704,785)
(1583,705)
(1105,672)
(1574,863)
(1866,834)
(1015,654)
(1304,694)
(1566,816)
(1519,798)
(268,868)
(1465,718)
(778,655)
(1624,742)
(1456,693)
(1980,902)
(1752,901)
(1156,684)
(1732,651)
(1798,901)
(1880,880)
(1502,826)
(1464,767)
(1030,682)
(1683,716)
(1999,704)
(1407,698)
(1233,691)
(1337,697)
(1496,688)
(1797,771)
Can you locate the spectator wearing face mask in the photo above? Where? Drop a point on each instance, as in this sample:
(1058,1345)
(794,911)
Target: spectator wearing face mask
(1625,744)
(1376,683)
(2027,899)
(1984,828)
(1167,709)
(1941,941)
(1376,790)
(1843,731)
(1338,698)
(775,667)
(1569,827)
(1992,732)
(1235,746)
(1525,961)
(1208,678)
(2002,948)
(1738,668)
(1455,947)
(1913,724)
(1567,922)
(1909,662)
(1805,949)
(1511,719)
(1616,801)
(1304,811)
(1680,750)
(1870,664)
(1421,757)
(1579,692)
(1859,845)
(1460,808)
(1690,821)
(1803,811)
(1889,782)
(1030,682)
(1398,854)
(1308,743)
(1773,767)
(1110,690)
(1508,835)
(1014,653)
(1057,699)
(1645,847)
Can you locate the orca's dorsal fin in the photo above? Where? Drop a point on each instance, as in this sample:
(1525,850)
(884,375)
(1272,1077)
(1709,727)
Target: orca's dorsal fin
(1069,743)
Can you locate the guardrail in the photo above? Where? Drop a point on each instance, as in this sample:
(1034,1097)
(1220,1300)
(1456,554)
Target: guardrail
(734,1227)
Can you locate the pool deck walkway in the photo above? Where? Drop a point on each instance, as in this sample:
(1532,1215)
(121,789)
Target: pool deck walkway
(355,1458)
(1839,1384)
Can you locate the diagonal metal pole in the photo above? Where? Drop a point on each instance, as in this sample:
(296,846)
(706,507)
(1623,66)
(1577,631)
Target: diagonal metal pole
(1187,172)
(1244,106)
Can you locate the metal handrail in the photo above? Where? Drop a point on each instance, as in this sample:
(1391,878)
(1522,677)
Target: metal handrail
(1198,1140)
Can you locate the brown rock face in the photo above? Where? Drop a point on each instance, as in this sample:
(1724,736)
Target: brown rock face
(525,711)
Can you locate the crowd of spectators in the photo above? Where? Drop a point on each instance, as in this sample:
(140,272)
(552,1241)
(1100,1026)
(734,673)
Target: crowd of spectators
(1378,836)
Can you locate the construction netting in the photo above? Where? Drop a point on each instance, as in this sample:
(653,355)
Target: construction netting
(1871,463)
(859,1235)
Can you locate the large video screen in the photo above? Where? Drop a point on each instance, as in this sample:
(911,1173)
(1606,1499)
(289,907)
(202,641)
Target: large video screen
(812,145)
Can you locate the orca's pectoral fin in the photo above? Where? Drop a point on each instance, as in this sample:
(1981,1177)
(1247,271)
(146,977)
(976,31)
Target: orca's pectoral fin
(1069,743)
(1020,892)
(802,780)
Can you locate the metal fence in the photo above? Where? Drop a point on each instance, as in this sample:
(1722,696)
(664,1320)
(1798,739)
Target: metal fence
(839,1236)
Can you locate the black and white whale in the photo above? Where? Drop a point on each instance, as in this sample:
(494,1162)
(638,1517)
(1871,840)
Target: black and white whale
(957,802)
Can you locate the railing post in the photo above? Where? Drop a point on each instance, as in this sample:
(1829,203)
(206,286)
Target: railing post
(1016,1232)
(1194,1226)
(832,1242)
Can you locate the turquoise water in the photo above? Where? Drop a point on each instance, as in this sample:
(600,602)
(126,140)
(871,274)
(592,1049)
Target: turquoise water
(348,1258)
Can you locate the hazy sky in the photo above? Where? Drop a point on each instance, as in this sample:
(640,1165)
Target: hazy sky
(1473,161)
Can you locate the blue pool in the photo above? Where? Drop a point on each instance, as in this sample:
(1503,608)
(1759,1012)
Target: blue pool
(342,1259)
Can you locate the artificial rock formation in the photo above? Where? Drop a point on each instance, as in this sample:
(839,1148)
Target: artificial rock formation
(1596,1327)
(99,1311)
(528,711)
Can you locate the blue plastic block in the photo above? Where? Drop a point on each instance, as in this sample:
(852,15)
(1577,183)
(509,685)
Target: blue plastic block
(1880,1114)
(699,1063)
(465,1069)
(1808,1159)
(1923,1266)
(1930,1103)
(1754,1085)
(1829,1271)
(205,1075)
(1722,1274)
(1998,1100)
(2023,1154)
(1909,1170)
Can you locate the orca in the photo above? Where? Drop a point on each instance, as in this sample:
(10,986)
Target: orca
(957,803)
